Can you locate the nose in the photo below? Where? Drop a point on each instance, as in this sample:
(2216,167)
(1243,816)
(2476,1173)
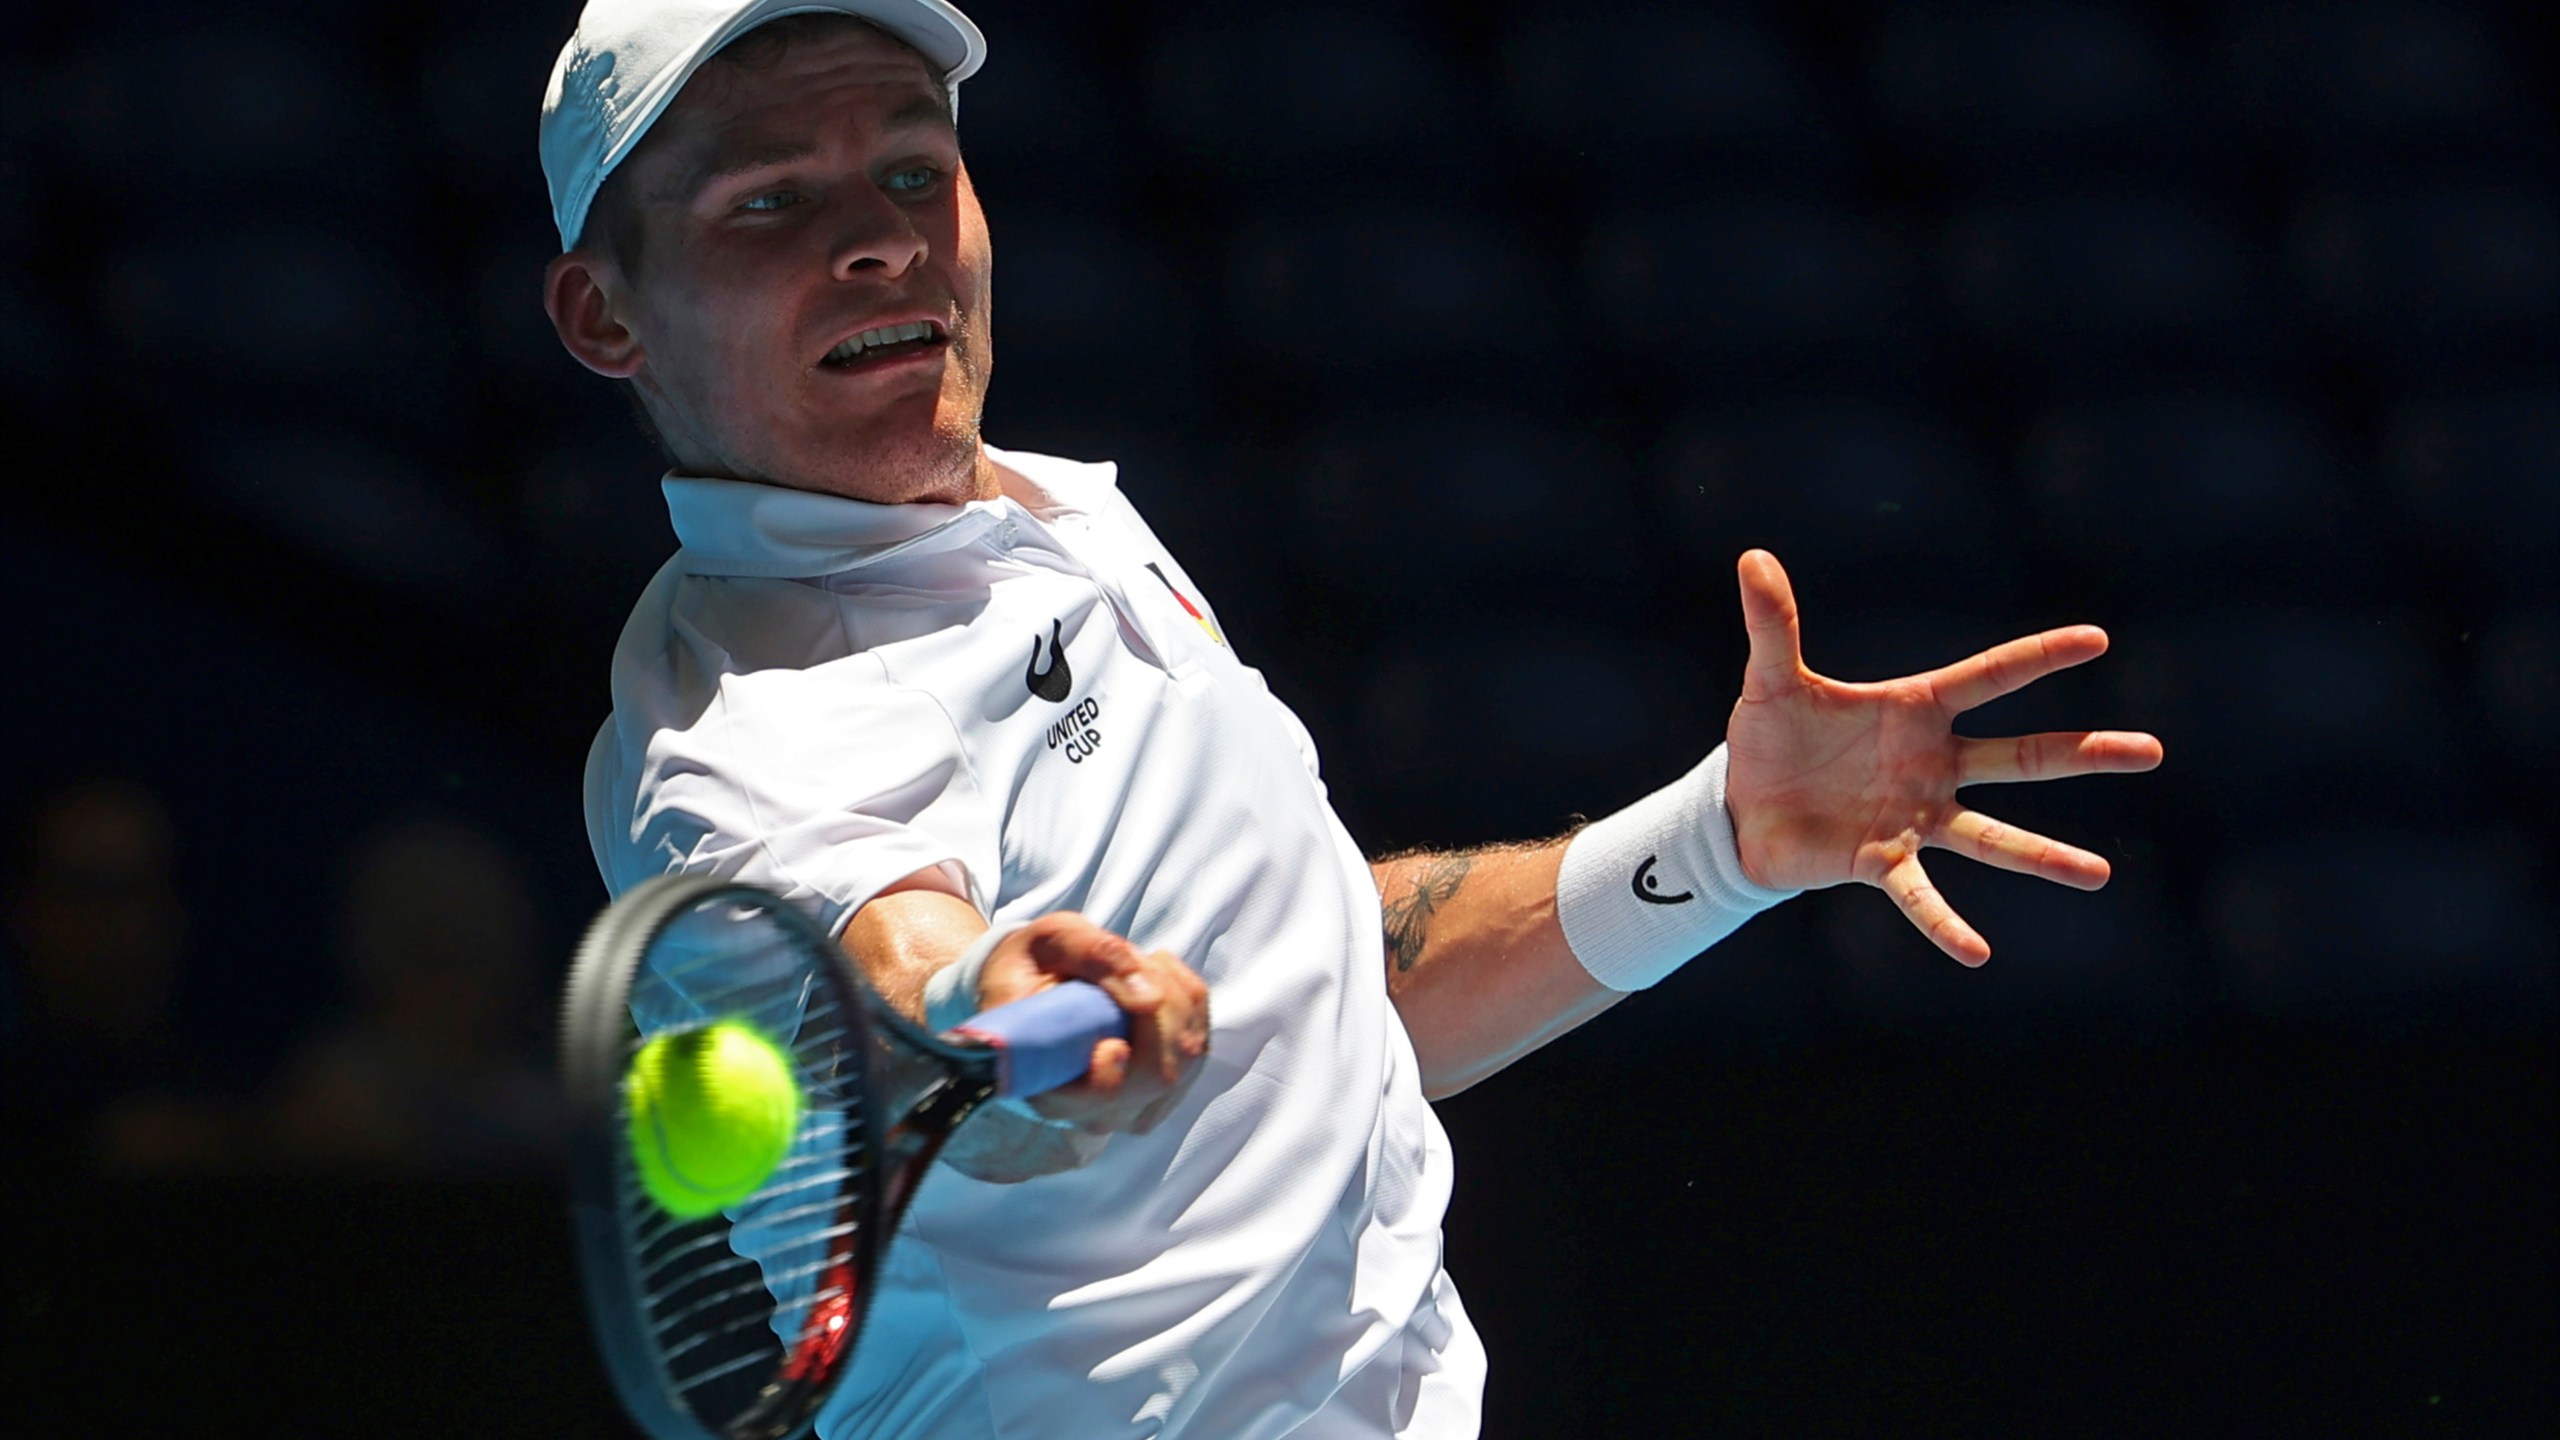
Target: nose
(876,236)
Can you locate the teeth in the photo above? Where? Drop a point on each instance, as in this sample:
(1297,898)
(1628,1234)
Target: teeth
(884,335)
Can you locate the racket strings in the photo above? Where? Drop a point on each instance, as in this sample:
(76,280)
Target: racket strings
(687,1329)
(711,1250)
(827,1207)
(668,1323)
(722,1321)
(657,1266)
(722,1298)
(793,1214)
(798,1173)
(709,1257)
(737,1342)
(806,1176)
(735,1364)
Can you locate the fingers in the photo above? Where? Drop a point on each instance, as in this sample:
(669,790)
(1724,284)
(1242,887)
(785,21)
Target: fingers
(1184,1069)
(1978,836)
(2013,665)
(1075,948)
(2055,756)
(1055,946)
(1776,665)
(1909,888)
(1131,1083)
(1109,1068)
(1170,1032)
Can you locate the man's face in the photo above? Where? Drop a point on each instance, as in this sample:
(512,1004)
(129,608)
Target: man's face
(789,208)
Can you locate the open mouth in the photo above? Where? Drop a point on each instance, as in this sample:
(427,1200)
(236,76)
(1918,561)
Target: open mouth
(886,344)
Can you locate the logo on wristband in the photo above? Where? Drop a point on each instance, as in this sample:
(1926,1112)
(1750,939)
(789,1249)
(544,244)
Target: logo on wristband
(1649,890)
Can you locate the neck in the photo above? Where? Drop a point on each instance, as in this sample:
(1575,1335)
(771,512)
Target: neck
(979,479)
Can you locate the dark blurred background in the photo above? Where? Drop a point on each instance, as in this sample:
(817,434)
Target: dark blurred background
(1458,348)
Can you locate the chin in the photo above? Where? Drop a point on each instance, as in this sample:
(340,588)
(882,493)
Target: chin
(927,466)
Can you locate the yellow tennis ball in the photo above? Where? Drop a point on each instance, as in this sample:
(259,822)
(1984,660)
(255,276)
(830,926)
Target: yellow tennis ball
(712,1111)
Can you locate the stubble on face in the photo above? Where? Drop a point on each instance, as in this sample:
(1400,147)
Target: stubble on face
(788,206)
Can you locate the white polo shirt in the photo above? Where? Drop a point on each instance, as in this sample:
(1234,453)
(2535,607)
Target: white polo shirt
(823,696)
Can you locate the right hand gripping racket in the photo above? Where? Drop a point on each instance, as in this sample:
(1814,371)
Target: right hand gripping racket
(741,1324)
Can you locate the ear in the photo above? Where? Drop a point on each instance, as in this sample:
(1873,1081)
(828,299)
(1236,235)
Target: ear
(578,291)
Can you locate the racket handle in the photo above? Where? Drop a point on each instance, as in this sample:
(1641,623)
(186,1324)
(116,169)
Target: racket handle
(1046,1040)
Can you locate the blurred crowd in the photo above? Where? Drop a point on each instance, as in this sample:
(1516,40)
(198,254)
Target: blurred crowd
(426,1063)
(1458,347)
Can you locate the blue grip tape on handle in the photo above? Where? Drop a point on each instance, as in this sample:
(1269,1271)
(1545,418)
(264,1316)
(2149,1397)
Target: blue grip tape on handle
(1047,1039)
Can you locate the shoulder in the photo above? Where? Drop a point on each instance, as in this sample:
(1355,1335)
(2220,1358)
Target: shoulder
(1091,487)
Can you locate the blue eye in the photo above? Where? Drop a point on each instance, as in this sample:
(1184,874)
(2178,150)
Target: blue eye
(771,200)
(916,179)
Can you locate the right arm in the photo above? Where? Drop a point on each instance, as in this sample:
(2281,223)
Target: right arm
(916,927)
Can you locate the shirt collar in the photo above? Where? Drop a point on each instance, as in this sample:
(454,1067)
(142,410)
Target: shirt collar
(738,527)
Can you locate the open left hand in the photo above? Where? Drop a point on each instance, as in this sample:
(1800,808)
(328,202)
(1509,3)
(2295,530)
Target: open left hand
(1830,781)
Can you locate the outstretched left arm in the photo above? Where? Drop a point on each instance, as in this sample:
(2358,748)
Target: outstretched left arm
(1823,782)
(1477,962)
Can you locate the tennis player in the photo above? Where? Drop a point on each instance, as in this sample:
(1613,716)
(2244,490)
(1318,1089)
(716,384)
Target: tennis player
(960,703)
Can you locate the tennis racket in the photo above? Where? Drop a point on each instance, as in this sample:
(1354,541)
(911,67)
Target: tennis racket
(741,1324)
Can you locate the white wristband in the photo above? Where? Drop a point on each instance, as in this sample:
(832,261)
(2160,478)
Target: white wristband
(1646,889)
(951,993)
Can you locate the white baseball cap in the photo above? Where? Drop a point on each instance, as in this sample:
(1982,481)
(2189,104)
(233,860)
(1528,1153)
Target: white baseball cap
(629,58)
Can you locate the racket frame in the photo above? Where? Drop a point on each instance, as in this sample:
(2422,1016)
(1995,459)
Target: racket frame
(596,1034)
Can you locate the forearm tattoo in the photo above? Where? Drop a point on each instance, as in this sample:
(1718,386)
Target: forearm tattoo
(1408,915)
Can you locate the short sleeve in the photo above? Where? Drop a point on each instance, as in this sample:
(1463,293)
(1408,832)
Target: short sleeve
(1297,728)
(825,785)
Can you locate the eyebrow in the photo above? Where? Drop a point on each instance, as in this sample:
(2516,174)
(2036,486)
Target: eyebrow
(923,112)
(736,163)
